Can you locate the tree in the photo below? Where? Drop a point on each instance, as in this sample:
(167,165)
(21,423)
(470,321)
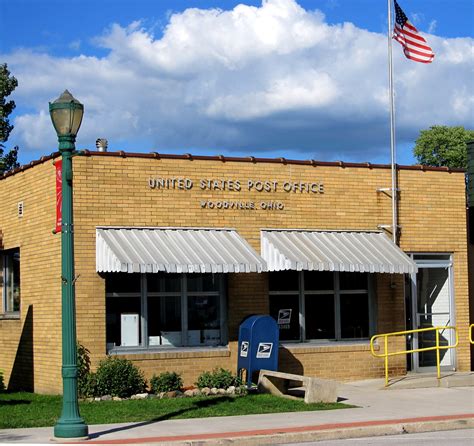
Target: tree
(443,146)
(7,85)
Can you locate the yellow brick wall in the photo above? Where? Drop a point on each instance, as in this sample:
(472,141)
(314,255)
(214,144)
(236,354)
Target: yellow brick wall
(30,352)
(433,216)
(114,191)
(471,294)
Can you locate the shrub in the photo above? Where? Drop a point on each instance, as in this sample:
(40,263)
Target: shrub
(83,371)
(204,380)
(88,387)
(166,382)
(119,377)
(2,385)
(219,378)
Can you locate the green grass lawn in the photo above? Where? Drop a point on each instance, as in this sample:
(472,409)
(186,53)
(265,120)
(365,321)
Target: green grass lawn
(23,409)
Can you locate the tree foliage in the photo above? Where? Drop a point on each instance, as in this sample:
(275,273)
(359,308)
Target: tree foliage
(8,83)
(443,146)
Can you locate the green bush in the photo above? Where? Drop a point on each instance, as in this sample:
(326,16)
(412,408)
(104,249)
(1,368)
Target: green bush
(204,380)
(219,378)
(83,371)
(119,377)
(166,382)
(2,384)
(88,387)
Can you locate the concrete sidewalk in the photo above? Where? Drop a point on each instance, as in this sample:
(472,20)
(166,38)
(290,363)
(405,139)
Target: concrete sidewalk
(379,412)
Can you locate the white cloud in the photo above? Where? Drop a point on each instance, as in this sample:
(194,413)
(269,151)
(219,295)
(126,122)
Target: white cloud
(417,18)
(36,128)
(310,90)
(432,26)
(75,44)
(271,77)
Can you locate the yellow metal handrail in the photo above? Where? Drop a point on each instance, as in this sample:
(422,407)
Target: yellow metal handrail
(437,347)
(470,333)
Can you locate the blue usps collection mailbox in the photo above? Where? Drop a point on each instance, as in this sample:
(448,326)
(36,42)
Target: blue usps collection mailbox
(258,345)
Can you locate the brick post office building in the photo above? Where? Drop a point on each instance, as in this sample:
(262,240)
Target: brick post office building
(173,252)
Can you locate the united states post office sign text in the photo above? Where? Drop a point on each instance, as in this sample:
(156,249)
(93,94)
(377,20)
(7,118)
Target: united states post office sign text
(233,185)
(237,185)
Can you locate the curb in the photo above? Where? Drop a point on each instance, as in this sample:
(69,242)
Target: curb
(331,431)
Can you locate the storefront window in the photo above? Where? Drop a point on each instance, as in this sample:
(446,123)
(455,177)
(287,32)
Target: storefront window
(321,306)
(203,282)
(172,310)
(285,309)
(203,320)
(123,320)
(164,320)
(122,283)
(163,283)
(352,281)
(11,280)
(284,281)
(354,316)
(319,316)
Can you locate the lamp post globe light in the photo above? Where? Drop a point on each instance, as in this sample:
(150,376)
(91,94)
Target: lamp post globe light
(66,113)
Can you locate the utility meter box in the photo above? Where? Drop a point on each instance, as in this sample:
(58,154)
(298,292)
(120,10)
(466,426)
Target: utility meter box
(129,323)
(258,345)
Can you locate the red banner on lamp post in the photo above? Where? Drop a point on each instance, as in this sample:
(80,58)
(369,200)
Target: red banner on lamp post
(59,195)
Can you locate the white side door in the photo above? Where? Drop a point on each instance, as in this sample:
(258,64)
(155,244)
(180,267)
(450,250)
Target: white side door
(433,306)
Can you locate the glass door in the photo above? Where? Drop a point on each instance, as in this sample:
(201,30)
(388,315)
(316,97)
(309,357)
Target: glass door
(433,307)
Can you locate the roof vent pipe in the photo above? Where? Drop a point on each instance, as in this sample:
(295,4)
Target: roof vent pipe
(101,144)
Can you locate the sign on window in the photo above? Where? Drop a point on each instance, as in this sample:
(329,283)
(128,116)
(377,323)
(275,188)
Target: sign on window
(284,318)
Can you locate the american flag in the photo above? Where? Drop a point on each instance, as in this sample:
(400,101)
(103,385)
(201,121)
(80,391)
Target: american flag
(414,46)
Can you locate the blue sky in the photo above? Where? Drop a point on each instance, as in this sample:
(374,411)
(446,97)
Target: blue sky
(300,79)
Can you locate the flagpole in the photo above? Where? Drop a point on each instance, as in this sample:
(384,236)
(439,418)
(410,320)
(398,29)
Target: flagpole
(392,127)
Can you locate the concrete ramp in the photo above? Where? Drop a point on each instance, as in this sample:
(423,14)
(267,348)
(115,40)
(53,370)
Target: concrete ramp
(423,380)
(419,381)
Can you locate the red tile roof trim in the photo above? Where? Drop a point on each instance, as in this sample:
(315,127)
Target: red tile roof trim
(222,158)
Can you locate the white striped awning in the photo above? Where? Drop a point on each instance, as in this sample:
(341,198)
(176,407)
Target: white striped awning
(174,250)
(353,251)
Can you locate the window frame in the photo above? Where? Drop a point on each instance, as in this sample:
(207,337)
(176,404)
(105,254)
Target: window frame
(336,292)
(5,266)
(183,294)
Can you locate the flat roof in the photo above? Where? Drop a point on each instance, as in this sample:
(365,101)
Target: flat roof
(235,159)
